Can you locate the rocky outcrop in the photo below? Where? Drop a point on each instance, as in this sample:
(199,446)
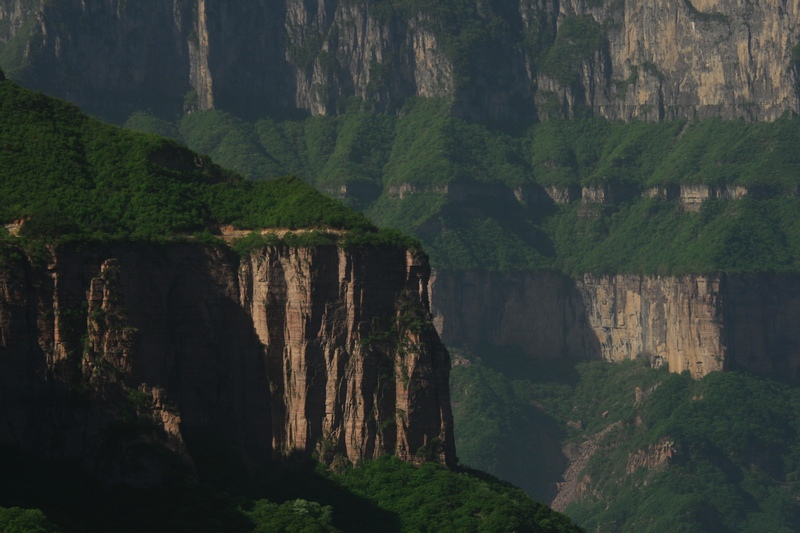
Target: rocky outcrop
(252,59)
(116,354)
(671,320)
(690,323)
(542,314)
(668,59)
(655,457)
(693,196)
(575,484)
(606,194)
(655,60)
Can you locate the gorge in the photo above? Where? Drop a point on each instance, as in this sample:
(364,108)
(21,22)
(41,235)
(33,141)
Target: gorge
(594,181)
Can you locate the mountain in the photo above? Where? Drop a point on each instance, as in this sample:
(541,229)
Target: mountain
(592,180)
(185,350)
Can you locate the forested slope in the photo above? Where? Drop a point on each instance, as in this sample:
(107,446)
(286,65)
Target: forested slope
(579,196)
(649,450)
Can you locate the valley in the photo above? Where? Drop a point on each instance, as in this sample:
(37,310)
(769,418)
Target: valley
(594,206)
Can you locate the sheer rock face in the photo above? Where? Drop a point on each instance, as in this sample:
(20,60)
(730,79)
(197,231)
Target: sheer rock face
(695,323)
(672,59)
(355,366)
(657,59)
(107,351)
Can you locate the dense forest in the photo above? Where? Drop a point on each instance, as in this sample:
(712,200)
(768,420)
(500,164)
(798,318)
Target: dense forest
(428,174)
(666,452)
(65,175)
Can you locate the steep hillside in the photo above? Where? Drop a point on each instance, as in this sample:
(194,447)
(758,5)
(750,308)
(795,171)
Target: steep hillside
(498,61)
(628,448)
(579,196)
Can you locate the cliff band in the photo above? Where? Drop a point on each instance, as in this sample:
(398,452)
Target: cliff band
(690,323)
(113,354)
(620,59)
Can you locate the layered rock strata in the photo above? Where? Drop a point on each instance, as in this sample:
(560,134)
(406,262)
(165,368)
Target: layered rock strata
(652,60)
(109,354)
(690,323)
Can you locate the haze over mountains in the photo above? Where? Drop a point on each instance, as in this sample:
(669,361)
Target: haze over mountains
(593,180)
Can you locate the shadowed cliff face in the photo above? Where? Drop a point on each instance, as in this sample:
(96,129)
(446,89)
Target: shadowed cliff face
(659,59)
(695,323)
(113,355)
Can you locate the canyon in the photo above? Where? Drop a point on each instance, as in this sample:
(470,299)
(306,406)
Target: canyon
(132,357)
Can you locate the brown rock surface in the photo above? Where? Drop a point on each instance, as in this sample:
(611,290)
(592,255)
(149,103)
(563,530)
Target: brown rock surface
(658,59)
(355,367)
(180,345)
(695,323)
(656,456)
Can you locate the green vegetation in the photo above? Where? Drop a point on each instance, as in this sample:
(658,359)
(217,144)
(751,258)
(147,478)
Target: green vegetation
(432,175)
(67,175)
(651,236)
(380,495)
(733,464)
(433,498)
(16,520)
(149,123)
(579,37)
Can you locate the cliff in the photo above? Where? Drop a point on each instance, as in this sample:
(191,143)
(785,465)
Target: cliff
(660,59)
(115,354)
(695,323)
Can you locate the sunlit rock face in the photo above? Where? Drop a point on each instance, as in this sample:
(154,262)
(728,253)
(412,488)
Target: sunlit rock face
(651,60)
(690,323)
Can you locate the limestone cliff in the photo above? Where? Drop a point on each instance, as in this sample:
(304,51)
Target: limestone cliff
(355,366)
(695,323)
(114,354)
(670,59)
(658,59)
